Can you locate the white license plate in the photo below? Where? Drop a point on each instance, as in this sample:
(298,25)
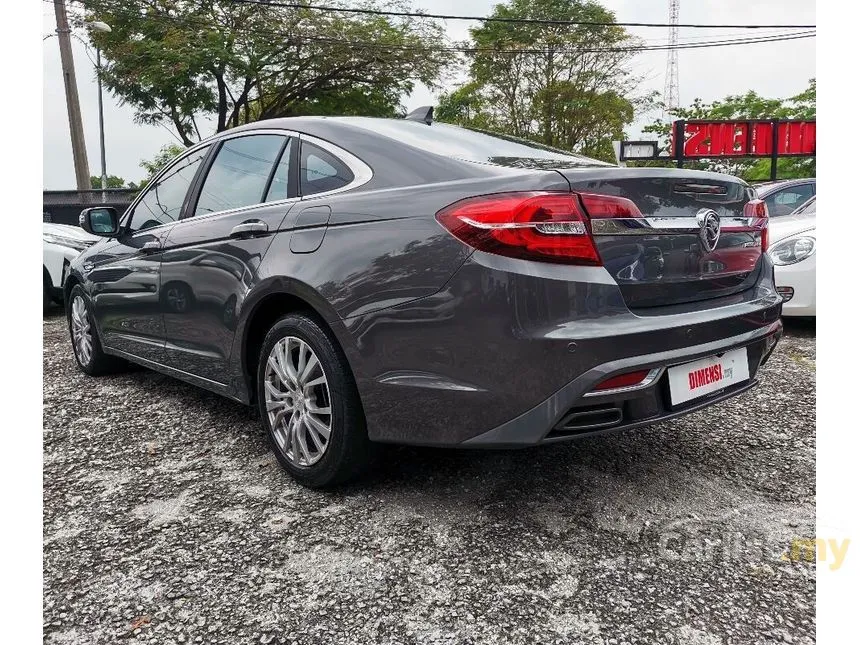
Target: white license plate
(707,375)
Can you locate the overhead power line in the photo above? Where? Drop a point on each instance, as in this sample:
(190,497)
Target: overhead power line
(531,21)
(364,45)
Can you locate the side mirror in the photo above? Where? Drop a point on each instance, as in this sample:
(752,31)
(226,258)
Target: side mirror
(100,220)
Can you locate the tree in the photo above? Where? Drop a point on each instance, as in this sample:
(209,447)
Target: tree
(112,182)
(152,166)
(748,106)
(178,62)
(564,86)
(160,160)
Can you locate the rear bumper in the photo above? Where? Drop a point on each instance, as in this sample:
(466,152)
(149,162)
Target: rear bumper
(508,348)
(588,416)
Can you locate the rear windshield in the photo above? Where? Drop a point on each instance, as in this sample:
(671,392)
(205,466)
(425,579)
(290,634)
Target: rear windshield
(473,145)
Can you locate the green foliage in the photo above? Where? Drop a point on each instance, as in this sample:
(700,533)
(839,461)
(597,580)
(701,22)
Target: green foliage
(178,62)
(112,182)
(747,106)
(152,166)
(575,93)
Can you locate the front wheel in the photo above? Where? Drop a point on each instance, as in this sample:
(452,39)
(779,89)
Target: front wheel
(309,404)
(87,347)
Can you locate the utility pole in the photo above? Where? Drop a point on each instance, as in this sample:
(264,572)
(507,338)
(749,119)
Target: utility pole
(101,121)
(670,91)
(79,150)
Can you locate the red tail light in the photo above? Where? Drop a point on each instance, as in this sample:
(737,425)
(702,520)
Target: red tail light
(543,226)
(608,206)
(755,210)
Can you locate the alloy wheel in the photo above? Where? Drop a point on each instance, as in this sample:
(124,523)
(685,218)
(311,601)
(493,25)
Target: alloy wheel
(298,402)
(82,337)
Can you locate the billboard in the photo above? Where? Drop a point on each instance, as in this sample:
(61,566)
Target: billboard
(727,138)
(708,139)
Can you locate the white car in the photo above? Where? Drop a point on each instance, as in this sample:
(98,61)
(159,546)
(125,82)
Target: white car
(61,243)
(792,249)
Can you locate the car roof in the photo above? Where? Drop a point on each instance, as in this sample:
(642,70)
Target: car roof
(411,133)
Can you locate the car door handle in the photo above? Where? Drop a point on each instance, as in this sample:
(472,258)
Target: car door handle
(250,228)
(151,247)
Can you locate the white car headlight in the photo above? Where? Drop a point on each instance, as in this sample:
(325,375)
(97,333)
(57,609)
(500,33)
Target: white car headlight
(70,242)
(792,250)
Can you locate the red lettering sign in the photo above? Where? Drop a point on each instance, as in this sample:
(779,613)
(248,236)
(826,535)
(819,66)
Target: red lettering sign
(746,138)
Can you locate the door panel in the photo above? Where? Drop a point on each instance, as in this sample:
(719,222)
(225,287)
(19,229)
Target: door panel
(211,260)
(205,276)
(124,276)
(125,294)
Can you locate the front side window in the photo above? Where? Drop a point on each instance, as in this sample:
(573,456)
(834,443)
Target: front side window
(162,202)
(240,173)
(320,171)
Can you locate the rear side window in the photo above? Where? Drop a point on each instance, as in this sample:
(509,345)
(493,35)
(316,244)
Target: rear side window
(320,171)
(240,173)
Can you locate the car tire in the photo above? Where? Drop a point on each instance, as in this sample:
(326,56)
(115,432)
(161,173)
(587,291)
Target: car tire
(90,357)
(47,300)
(293,404)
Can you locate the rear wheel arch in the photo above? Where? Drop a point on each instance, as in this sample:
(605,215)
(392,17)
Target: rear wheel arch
(262,317)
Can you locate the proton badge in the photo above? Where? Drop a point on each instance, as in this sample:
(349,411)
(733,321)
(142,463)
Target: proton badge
(709,228)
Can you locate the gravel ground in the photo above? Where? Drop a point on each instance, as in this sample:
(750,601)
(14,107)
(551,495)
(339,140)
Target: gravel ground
(167,520)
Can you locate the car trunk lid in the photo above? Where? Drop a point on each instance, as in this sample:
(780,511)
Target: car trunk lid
(690,240)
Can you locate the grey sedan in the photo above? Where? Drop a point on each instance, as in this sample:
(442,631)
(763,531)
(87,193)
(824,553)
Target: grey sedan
(366,281)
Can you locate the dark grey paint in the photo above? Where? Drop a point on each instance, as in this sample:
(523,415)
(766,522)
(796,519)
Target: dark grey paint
(446,344)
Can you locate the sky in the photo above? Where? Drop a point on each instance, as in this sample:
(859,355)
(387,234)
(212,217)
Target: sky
(779,69)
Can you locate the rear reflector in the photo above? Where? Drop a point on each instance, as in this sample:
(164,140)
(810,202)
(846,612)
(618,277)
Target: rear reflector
(622,380)
(542,226)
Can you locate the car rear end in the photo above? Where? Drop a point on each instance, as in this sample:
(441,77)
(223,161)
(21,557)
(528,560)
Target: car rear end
(611,299)
(648,291)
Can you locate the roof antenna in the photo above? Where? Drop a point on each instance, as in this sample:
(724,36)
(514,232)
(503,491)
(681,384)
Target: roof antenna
(424,113)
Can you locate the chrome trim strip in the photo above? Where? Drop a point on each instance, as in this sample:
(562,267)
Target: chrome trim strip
(660,225)
(240,209)
(650,378)
(576,224)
